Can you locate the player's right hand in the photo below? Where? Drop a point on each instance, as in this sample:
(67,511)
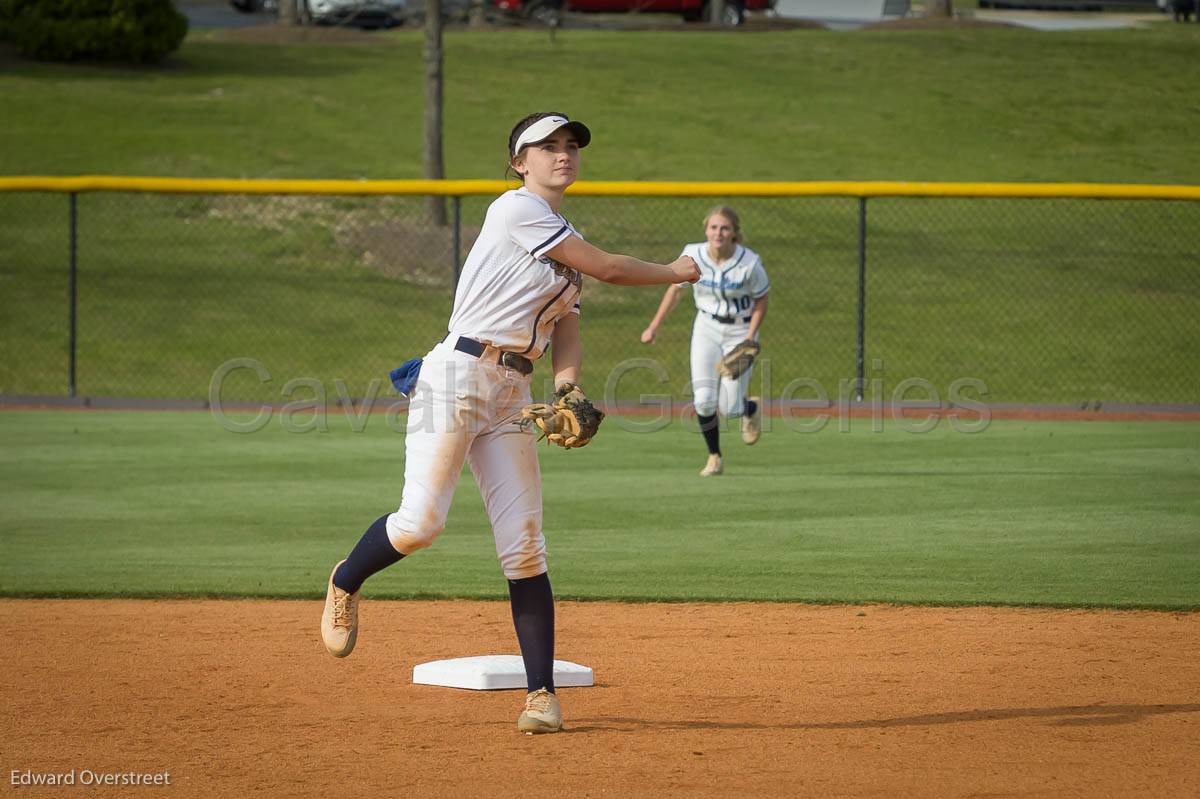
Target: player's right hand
(685,269)
(648,335)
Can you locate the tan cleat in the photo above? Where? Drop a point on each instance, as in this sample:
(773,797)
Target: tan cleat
(713,467)
(339,622)
(542,713)
(751,428)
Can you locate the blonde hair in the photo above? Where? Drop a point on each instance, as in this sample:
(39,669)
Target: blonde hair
(731,215)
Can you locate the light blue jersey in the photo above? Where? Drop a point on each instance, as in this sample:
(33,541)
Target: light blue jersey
(730,288)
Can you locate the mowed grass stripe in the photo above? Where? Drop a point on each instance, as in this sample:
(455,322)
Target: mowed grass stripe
(1084,514)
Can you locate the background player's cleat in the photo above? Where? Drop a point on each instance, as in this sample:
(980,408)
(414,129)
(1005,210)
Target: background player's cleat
(339,622)
(542,713)
(713,467)
(750,423)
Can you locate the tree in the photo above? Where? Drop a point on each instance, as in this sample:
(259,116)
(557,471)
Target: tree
(129,31)
(475,14)
(716,10)
(287,13)
(434,167)
(939,8)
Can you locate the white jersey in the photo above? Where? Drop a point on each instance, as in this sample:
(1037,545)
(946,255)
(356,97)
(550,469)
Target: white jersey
(510,295)
(729,290)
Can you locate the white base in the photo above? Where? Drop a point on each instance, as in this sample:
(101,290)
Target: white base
(495,672)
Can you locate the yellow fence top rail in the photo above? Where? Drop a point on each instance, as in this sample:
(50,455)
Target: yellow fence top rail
(599,188)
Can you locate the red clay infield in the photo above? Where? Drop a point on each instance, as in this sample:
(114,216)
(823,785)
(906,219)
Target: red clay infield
(236,698)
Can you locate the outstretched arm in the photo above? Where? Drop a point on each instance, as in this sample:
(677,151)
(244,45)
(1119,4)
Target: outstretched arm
(566,350)
(621,270)
(669,301)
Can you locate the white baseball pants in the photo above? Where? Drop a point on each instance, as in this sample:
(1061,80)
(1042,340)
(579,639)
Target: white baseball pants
(464,409)
(712,393)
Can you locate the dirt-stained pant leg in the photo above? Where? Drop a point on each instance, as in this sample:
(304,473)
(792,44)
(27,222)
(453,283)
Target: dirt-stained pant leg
(504,460)
(444,417)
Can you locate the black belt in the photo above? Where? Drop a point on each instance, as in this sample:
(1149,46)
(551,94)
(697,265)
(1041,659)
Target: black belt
(729,320)
(510,360)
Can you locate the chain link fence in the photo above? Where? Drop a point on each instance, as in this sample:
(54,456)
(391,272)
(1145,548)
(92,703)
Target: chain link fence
(1043,301)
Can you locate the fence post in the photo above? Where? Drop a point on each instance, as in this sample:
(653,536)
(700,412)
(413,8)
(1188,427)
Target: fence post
(457,244)
(71,294)
(860,380)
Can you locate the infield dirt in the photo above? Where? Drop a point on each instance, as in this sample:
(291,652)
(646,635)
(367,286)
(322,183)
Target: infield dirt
(239,697)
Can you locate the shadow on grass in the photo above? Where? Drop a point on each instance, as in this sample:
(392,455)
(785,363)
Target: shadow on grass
(1066,716)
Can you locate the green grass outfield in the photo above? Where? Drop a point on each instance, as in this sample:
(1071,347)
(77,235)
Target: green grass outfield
(1046,302)
(1079,514)
(963,104)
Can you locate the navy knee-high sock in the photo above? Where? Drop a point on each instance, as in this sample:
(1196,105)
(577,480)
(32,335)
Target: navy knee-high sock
(712,435)
(751,407)
(533,618)
(373,553)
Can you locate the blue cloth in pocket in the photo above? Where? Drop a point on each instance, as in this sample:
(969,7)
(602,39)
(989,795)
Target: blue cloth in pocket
(404,376)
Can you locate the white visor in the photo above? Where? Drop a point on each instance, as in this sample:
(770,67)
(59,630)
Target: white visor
(542,129)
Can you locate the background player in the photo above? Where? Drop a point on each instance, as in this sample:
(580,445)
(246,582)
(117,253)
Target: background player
(731,303)
(519,293)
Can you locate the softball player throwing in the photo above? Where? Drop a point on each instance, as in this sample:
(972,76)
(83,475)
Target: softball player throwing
(519,294)
(731,303)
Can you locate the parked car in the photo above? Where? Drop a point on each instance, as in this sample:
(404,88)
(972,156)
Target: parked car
(361,13)
(254,6)
(364,13)
(549,11)
(1180,10)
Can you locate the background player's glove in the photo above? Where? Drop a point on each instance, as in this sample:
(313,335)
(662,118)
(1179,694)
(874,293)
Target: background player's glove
(570,422)
(739,360)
